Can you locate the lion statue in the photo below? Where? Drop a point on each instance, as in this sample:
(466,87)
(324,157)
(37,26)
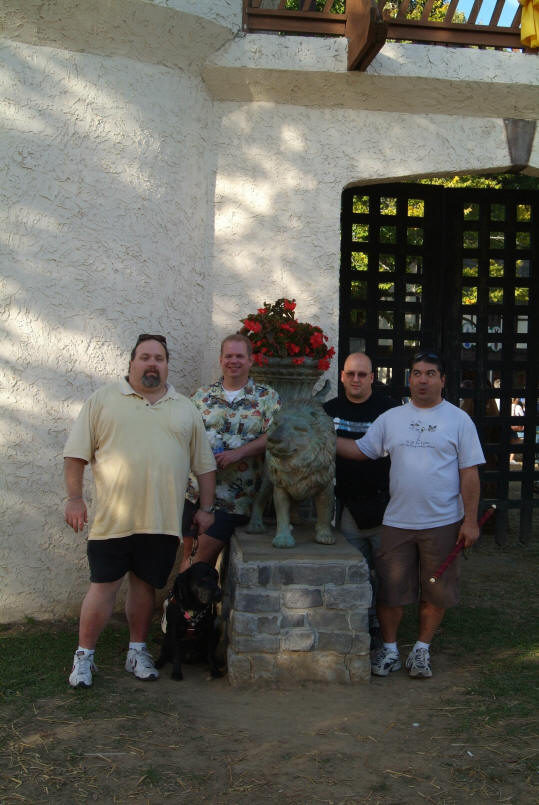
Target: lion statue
(300,463)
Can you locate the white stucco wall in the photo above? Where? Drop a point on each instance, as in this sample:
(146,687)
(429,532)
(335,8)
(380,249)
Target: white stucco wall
(106,214)
(277,215)
(164,172)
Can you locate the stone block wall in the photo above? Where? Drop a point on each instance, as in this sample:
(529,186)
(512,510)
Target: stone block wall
(298,614)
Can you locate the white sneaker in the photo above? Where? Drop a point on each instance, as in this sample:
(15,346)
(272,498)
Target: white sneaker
(418,663)
(385,661)
(81,673)
(140,663)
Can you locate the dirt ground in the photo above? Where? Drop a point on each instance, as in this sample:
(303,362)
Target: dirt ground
(392,741)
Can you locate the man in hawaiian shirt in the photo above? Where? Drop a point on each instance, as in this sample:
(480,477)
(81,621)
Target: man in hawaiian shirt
(237,412)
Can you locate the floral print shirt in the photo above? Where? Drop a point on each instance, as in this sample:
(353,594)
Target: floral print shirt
(229,425)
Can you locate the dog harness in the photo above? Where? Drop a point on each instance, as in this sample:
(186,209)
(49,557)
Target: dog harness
(193,617)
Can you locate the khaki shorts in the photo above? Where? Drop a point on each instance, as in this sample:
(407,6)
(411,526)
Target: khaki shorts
(405,561)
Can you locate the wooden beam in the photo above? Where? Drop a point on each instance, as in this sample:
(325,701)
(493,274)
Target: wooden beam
(455,34)
(300,22)
(366,32)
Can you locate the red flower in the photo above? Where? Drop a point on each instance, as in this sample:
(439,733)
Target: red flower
(275,332)
(253,326)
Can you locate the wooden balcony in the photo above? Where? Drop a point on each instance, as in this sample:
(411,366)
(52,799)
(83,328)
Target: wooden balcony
(368,24)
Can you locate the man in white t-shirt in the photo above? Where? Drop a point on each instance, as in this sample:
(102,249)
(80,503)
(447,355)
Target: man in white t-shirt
(434,495)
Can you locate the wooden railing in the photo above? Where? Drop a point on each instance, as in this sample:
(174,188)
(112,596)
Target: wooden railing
(369,23)
(444,25)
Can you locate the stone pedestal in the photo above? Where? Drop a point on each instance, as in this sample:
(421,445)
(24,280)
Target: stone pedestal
(299,613)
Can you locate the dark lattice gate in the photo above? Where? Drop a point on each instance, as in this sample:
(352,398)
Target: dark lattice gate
(457,270)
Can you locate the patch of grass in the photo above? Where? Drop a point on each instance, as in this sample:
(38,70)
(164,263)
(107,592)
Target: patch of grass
(499,637)
(35,662)
(35,659)
(150,776)
(379,788)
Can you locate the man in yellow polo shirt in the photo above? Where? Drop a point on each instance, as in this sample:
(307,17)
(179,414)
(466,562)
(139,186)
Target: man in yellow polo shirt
(141,438)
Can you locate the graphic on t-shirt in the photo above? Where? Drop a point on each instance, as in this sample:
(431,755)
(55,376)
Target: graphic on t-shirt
(419,426)
(350,426)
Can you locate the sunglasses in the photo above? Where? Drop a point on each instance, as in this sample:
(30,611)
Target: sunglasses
(361,375)
(149,337)
(433,355)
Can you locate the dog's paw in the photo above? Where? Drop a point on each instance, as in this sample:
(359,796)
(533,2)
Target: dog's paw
(217,674)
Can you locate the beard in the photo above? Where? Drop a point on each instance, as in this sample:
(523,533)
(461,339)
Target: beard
(151,381)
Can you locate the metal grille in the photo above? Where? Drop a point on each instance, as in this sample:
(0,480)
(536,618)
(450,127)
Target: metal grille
(457,270)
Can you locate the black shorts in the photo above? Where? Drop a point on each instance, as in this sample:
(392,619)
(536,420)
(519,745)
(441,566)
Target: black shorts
(151,557)
(222,528)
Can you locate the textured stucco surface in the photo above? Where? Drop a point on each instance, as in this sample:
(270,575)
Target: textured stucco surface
(277,218)
(159,33)
(412,78)
(105,214)
(140,194)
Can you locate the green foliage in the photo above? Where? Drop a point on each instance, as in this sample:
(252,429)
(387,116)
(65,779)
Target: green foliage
(415,10)
(338,7)
(500,181)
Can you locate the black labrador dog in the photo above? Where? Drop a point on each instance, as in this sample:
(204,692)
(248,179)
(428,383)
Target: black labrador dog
(190,619)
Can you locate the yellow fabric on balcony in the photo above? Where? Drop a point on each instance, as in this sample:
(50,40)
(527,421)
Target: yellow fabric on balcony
(529,23)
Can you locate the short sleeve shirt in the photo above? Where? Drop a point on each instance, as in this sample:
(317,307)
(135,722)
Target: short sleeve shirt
(231,424)
(427,447)
(359,479)
(140,456)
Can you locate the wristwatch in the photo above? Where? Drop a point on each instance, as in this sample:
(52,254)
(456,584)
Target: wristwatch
(207,509)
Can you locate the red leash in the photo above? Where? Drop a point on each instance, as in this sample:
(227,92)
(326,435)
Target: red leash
(459,546)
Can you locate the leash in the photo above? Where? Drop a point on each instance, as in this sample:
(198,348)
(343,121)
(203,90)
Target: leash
(194,549)
(459,547)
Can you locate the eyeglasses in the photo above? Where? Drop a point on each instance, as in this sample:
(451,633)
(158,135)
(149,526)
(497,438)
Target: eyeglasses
(361,375)
(149,337)
(420,355)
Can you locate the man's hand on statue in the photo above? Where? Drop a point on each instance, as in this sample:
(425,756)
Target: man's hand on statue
(76,514)
(227,457)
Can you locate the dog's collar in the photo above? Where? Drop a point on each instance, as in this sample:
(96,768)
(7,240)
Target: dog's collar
(193,617)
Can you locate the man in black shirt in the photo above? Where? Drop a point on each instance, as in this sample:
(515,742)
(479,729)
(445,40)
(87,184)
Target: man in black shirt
(362,488)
